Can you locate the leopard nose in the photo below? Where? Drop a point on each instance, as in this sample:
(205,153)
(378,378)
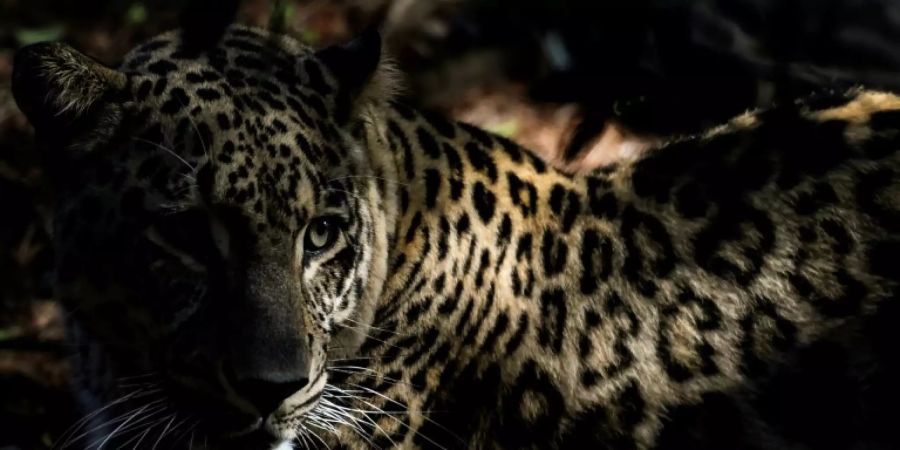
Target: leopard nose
(267,394)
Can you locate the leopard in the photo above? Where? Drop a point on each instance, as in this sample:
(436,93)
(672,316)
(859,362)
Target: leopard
(259,245)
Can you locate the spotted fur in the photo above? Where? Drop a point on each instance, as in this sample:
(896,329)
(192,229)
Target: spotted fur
(477,298)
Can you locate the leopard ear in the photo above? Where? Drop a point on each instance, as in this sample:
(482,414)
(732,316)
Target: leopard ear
(55,85)
(363,73)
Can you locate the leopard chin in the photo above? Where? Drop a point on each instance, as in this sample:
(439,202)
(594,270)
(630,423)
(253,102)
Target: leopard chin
(283,445)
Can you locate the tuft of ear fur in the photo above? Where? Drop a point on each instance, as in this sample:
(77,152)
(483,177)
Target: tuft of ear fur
(365,75)
(54,84)
(385,83)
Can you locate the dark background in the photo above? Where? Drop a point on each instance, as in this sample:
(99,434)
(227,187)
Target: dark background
(549,74)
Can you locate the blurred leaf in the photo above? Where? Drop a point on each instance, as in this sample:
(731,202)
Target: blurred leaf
(27,36)
(310,37)
(137,14)
(282,13)
(11,332)
(505,129)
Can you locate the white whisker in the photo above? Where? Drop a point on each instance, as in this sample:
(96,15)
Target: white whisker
(167,150)
(116,430)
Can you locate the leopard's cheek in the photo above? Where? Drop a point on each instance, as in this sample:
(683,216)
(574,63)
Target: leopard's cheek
(317,311)
(332,287)
(332,304)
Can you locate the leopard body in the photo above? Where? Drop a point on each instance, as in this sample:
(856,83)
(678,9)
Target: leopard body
(476,297)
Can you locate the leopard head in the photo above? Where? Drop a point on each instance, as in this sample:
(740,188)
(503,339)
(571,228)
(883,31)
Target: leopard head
(219,232)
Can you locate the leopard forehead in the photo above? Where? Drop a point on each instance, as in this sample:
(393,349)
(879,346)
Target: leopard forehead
(248,123)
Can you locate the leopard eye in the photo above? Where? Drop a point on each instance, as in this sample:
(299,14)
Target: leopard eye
(321,233)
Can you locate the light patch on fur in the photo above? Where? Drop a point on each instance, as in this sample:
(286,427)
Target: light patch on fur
(859,109)
(285,445)
(745,121)
(857,112)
